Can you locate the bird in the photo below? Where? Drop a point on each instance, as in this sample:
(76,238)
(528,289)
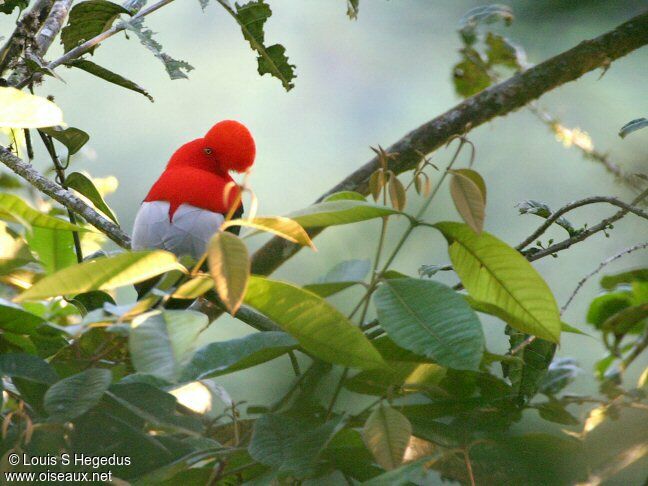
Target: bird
(187,205)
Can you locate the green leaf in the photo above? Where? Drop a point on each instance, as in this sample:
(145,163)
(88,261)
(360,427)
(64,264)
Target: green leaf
(430,319)
(501,51)
(343,275)
(103,274)
(468,192)
(19,109)
(278,225)
(15,209)
(470,78)
(272,60)
(75,395)
(353,6)
(161,343)
(339,212)
(387,433)
(86,187)
(194,288)
(609,282)
(8,6)
(345,196)
(55,248)
(107,75)
(605,306)
(87,20)
(413,472)
(318,326)
(27,366)
(554,411)
(289,445)
(224,357)
(229,265)
(562,371)
(72,138)
(497,275)
(14,318)
(633,126)
(175,68)
(625,320)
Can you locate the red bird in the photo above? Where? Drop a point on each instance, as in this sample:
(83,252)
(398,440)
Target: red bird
(187,204)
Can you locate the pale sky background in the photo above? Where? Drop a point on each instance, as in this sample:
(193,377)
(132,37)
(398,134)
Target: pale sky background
(363,83)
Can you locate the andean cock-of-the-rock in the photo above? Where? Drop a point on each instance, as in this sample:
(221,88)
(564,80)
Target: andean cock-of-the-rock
(190,200)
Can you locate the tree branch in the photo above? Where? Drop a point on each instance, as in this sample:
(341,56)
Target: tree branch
(577,204)
(66,198)
(52,25)
(498,100)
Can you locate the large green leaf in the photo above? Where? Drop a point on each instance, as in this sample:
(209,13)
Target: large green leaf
(387,433)
(15,209)
(272,60)
(19,109)
(103,274)
(289,445)
(55,248)
(160,343)
(229,265)
(498,275)
(87,20)
(86,187)
(107,75)
(430,319)
(341,276)
(16,319)
(224,357)
(27,366)
(339,212)
(318,326)
(76,394)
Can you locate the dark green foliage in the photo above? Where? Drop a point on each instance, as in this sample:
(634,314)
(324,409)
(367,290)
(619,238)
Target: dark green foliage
(89,19)
(8,6)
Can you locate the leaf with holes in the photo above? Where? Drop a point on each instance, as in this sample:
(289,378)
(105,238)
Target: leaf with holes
(229,265)
(496,274)
(468,192)
(430,319)
(387,433)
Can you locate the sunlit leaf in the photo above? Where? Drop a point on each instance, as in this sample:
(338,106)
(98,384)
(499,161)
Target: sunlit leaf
(103,274)
(432,320)
(229,265)
(86,187)
(19,109)
(194,288)
(386,433)
(318,326)
(55,248)
(278,225)
(75,395)
(633,126)
(107,75)
(339,212)
(160,343)
(496,274)
(15,209)
(345,195)
(220,358)
(468,192)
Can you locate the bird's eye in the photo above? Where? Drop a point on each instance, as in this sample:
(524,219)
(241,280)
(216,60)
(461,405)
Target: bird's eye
(208,151)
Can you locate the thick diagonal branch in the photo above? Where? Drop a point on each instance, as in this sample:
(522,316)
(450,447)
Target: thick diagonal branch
(498,100)
(66,198)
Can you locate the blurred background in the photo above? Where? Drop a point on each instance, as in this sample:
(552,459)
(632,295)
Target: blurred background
(363,83)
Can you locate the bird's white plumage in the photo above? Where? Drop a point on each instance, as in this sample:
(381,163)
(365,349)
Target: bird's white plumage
(186,234)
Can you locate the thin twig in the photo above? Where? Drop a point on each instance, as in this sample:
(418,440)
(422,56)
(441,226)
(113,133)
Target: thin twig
(600,267)
(577,204)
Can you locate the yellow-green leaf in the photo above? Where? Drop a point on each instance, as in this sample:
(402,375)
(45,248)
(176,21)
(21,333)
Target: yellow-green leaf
(397,194)
(229,265)
(318,326)
(103,274)
(23,110)
(496,274)
(15,209)
(194,288)
(468,192)
(279,225)
(333,213)
(387,433)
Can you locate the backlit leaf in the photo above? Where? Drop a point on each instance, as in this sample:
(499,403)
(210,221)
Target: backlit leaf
(339,212)
(15,209)
(19,109)
(278,225)
(468,192)
(386,433)
(229,265)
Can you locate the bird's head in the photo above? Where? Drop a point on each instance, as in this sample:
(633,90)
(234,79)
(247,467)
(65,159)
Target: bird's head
(228,145)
